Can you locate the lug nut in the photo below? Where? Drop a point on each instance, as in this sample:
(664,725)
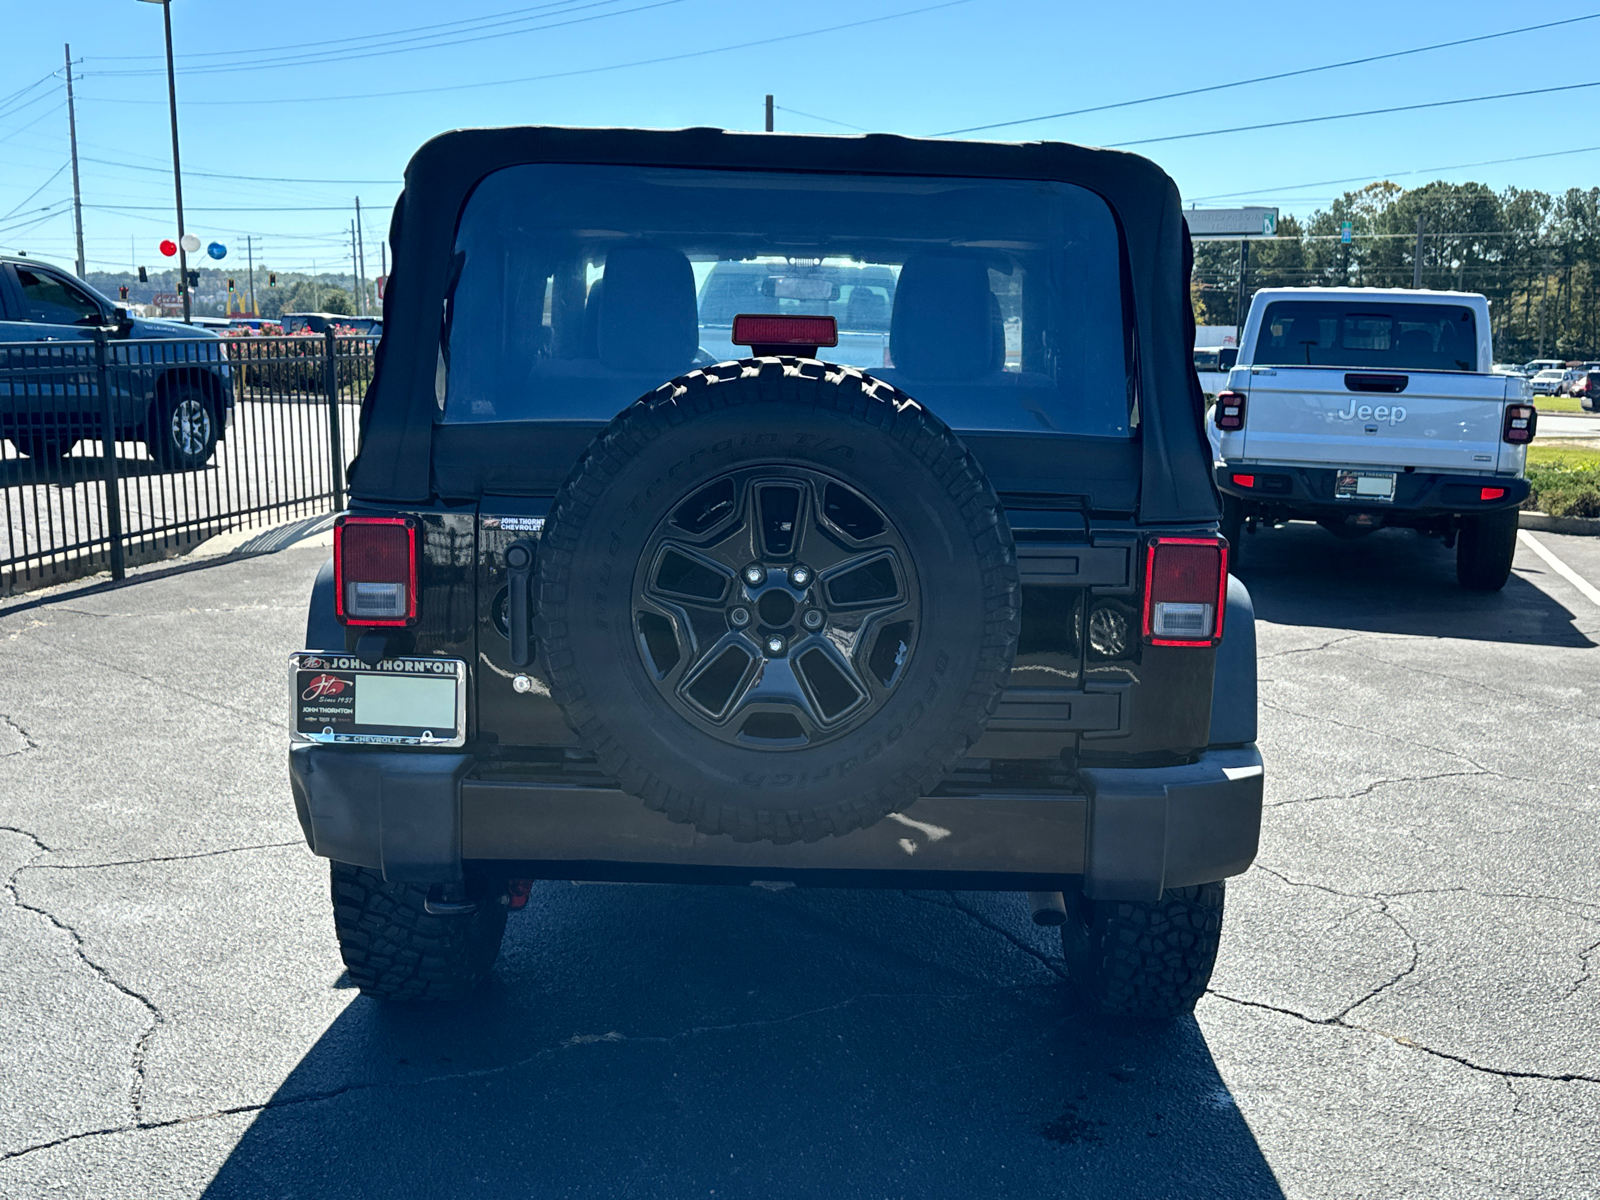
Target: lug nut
(740,617)
(754,575)
(812,619)
(799,576)
(775,645)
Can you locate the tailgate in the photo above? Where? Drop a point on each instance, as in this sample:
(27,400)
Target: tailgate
(1441,420)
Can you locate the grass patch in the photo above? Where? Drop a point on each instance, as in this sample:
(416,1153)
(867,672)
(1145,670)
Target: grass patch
(1565,480)
(1563,404)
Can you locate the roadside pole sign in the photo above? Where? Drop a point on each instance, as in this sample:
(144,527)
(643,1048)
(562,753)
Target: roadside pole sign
(1344,232)
(1231,224)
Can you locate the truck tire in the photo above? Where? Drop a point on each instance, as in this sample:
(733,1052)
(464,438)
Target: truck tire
(1233,528)
(777,599)
(1148,960)
(184,428)
(1485,547)
(395,949)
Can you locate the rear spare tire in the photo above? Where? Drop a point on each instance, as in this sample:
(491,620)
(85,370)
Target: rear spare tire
(777,599)
(1485,547)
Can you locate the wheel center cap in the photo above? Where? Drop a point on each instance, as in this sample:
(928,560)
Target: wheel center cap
(776,607)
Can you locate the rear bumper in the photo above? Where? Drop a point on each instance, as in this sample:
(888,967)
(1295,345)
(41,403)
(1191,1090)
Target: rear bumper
(424,818)
(1309,491)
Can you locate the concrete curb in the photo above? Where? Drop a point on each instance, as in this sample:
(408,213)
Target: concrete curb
(1545,523)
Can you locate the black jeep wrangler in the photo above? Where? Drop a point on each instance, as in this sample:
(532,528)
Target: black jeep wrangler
(925,590)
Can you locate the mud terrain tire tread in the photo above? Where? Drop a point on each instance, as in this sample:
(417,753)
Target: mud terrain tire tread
(396,950)
(1147,960)
(1485,547)
(805,383)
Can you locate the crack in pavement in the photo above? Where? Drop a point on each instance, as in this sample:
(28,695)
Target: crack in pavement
(27,739)
(1583,961)
(613,1037)
(134,862)
(1497,689)
(1380,783)
(1408,1043)
(120,669)
(157,1018)
(978,918)
(1348,637)
(1381,899)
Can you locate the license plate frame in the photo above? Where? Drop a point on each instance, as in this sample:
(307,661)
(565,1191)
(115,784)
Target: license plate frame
(1365,486)
(406,702)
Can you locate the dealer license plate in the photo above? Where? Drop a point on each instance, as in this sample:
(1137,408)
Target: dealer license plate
(337,698)
(1364,485)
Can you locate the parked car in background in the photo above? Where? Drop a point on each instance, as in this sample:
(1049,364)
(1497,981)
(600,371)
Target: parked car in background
(320,322)
(1366,408)
(859,298)
(1589,394)
(1548,381)
(177,401)
(1543,364)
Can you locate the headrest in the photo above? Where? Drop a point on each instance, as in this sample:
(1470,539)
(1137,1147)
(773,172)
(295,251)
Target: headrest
(941,327)
(648,320)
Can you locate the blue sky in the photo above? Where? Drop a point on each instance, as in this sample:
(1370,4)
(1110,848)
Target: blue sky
(364,102)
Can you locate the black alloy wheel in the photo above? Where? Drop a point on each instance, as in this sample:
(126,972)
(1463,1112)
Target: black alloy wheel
(776,607)
(185,428)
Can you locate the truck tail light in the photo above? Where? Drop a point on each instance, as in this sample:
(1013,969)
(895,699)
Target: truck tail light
(1185,591)
(375,570)
(1522,422)
(1244,481)
(1491,493)
(1230,411)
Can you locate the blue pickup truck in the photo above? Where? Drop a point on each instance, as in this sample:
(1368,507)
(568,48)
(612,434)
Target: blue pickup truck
(169,383)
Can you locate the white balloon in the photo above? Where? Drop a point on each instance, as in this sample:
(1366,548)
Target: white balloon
(190,243)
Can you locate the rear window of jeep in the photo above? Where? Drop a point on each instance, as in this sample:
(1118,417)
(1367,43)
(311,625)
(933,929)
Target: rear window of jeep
(1359,333)
(996,303)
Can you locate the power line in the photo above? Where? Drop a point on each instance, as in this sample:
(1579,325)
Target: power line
(1217,87)
(49,112)
(1487,162)
(1369,112)
(42,186)
(105,162)
(643,62)
(318,58)
(364,37)
(824,120)
(188,208)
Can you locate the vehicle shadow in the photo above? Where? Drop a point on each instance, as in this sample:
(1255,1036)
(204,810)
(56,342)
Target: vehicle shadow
(75,469)
(665,1041)
(1391,581)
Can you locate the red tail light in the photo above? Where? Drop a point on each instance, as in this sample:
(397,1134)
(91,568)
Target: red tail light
(375,570)
(1230,411)
(1244,481)
(1185,591)
(1491,493)
(1522,422)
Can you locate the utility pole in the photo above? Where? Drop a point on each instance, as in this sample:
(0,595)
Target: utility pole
(72,131)
(1416,259)
(769,114)
(361,259)
(1244,269)
(250,254)
(355,269)
(177,170)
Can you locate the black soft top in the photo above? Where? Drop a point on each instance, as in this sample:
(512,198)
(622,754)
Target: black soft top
(401,405)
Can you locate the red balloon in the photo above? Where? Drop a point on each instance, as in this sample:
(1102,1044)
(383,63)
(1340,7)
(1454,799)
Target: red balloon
(169,247)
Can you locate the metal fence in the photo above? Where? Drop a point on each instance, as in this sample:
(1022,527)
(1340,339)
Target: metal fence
(120,452)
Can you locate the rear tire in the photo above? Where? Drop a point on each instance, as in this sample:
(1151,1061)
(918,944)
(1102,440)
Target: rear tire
(1484,550)
(396,950)
(1147,960)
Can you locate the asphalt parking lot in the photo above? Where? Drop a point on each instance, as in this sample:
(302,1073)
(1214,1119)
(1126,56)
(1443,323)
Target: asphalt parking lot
(1404,1006)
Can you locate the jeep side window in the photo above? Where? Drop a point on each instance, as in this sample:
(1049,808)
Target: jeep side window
(51,300)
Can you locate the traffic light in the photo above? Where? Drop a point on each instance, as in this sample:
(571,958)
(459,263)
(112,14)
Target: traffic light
(272,279)
(230,285)
(143,278)
(194,279)
(122,292)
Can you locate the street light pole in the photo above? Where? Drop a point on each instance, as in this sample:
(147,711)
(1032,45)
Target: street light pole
(177,172)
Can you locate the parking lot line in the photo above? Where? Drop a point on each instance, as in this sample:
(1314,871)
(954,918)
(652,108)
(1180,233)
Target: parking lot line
(1560,568)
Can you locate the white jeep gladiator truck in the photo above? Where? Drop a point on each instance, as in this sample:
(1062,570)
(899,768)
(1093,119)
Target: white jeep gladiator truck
(1369,408)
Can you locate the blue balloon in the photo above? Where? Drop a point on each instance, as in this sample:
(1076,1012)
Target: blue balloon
(217,250)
